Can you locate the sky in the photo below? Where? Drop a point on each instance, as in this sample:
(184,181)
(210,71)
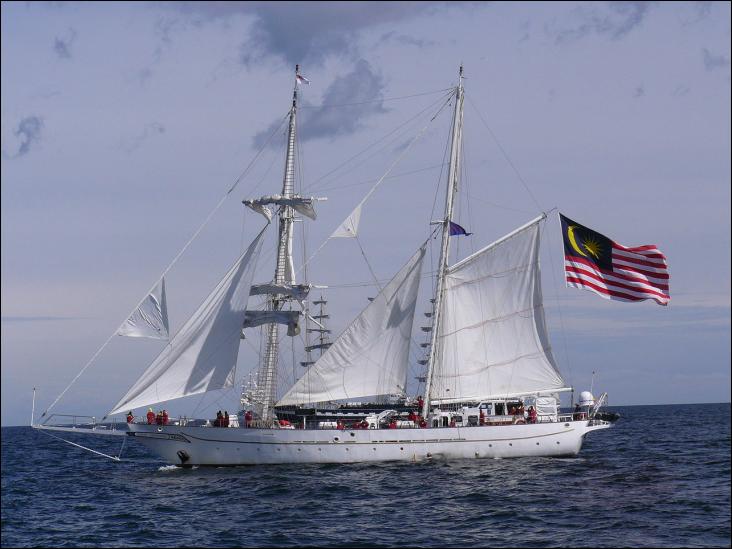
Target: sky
(124,124)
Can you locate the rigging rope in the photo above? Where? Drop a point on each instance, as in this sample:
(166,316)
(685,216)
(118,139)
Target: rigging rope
(505,155)
(360,247)
(113,458)
(327,106)
(381,179)
(312,186)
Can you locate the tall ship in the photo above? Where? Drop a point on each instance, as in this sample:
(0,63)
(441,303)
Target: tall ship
(489,386)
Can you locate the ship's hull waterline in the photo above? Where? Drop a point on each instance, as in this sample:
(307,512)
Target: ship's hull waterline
(189,446)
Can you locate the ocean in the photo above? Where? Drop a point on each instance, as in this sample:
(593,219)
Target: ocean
(659,478)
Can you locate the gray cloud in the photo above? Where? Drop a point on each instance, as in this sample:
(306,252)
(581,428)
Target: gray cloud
(712,62)
(152,129)
(701,10)
(406,40)
(308,32)
(29,132)
(680,90)
(613,19)
(639,92)
(360,93)
(62,46)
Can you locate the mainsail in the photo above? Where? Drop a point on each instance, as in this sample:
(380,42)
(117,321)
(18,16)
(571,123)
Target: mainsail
(371,356)
(150,318)
(492,339)
(202,355)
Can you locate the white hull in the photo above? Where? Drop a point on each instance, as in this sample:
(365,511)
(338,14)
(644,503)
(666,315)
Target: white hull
(238,446)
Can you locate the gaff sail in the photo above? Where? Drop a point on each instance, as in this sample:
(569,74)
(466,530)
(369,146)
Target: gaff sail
(493,340)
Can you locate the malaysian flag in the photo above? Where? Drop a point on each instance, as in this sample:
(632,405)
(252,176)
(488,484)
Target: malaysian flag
(594,262)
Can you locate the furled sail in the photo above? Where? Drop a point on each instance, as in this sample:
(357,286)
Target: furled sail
(371,356)
(257,318)
(297,291)
(202,355)
(302,205)
(492,339)
(150,319)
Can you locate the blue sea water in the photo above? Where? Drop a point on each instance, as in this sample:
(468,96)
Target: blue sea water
(659,478)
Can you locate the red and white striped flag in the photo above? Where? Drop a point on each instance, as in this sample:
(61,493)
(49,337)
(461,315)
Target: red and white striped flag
(613,271)
(301,79)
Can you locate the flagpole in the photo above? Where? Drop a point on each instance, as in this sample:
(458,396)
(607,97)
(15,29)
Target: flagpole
(457,128)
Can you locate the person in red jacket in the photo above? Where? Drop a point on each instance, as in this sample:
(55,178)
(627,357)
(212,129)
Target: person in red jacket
(165,417)
(130,417)
(150,416)
(248,418)
(532,415)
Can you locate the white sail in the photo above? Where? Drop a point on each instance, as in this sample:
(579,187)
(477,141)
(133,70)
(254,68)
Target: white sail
(150,319)
(492,339)
(371,356)
(202,355)
(349,227)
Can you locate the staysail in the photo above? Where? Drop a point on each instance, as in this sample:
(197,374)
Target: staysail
(150,319)
(371,356)
(492,340)
(202,355)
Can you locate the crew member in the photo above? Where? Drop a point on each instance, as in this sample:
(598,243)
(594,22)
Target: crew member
(577,412)
(150,416)
(165,417)
(130,417)
(532,415)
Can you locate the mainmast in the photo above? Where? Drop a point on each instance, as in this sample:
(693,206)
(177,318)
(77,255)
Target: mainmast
(284,272)
(452,181)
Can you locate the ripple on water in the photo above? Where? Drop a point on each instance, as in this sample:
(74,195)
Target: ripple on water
(660,477)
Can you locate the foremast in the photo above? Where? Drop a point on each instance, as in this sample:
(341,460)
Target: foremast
(284,273)
(452,182)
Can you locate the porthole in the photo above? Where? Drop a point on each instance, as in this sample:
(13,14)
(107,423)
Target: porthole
(510,443)
(557,442)
(401,447)
(537,444)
